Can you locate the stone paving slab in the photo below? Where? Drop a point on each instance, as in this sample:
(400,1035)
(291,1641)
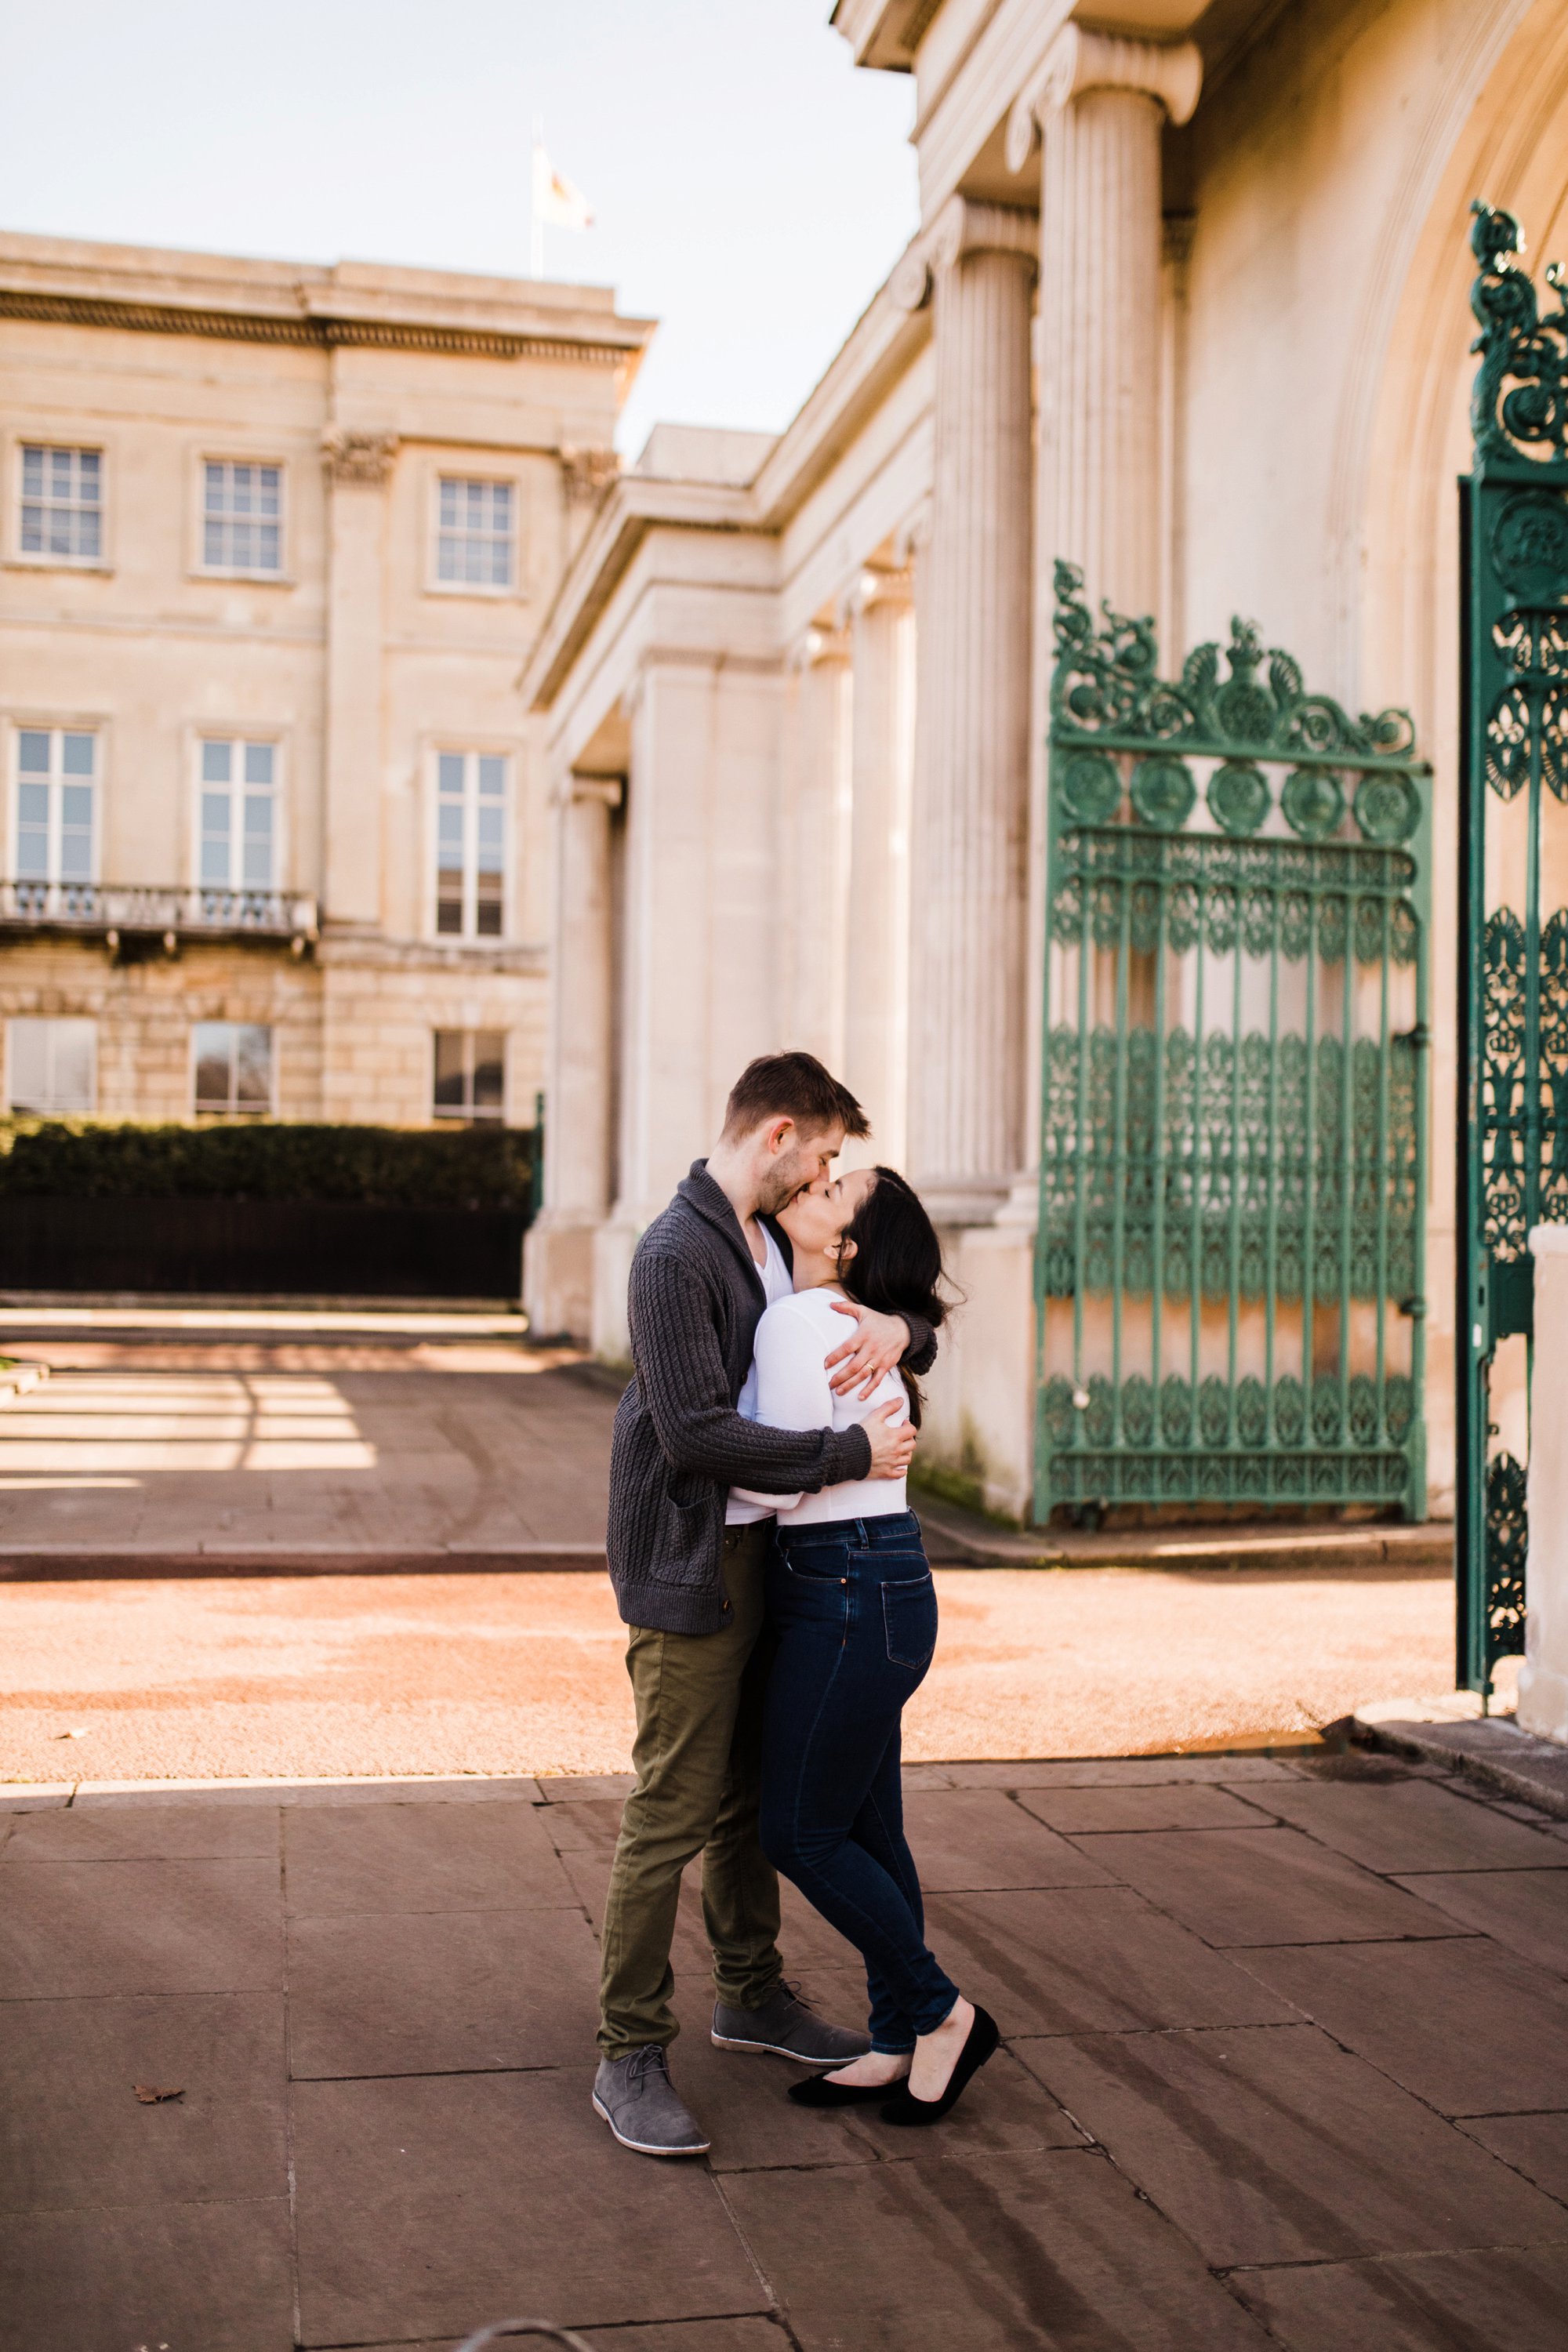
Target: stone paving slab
(1276,2146)
(1525,1909)
(1536,2146)
(1464,2025)
(1189,2143)
(1513,2298)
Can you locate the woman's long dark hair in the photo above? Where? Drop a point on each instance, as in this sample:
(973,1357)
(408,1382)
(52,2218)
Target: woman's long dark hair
(896,1266)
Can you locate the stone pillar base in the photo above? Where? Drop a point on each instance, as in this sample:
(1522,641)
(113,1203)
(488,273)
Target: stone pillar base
(558,1274)
(1543,1678)
(980,1418)
(615,1242)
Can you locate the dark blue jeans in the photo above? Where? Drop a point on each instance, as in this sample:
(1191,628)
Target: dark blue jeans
(851,1610)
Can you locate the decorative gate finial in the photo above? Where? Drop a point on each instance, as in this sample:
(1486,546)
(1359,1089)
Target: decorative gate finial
(1107,681)
(1517,346)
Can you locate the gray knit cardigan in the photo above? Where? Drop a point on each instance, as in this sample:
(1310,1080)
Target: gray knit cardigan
(694,1301)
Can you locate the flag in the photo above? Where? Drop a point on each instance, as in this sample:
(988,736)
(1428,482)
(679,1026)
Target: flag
(556,203)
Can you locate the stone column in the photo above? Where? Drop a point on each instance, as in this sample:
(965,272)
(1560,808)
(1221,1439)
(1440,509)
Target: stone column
(579,1101)
(969,888)
(816,845)
(1543,1678)
(876,954)
(1099,103)
(358,467)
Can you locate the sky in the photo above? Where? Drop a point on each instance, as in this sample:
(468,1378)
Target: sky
(751,188)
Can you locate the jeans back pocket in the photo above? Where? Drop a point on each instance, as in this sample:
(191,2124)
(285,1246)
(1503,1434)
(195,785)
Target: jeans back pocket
(909,1621)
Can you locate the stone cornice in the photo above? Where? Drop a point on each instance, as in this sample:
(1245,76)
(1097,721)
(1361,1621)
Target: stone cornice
(970,99)
(881,346)
(884,33)
(636,505)
(323,330)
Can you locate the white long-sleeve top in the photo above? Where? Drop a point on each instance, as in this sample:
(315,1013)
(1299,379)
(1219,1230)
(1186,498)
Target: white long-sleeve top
(788,1387)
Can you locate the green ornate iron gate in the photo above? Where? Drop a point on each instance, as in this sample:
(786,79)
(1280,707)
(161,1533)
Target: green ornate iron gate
(1513,955)
(1232,1162)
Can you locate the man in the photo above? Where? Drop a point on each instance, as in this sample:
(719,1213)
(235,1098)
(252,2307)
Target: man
(686,1560)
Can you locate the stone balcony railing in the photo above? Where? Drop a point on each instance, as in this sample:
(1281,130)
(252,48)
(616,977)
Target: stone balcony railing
(113,910)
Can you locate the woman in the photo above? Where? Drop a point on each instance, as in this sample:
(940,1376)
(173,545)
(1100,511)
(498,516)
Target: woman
(852,1611)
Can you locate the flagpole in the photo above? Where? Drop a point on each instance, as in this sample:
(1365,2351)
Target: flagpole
(535,217)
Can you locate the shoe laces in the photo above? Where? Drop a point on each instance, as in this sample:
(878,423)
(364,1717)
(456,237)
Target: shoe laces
(643,2060)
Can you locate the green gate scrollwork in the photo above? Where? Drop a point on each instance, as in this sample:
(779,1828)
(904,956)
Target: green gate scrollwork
(1513,861)
(1229,1264)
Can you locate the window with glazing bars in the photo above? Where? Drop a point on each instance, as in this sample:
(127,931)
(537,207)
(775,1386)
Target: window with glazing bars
(473,540)
(238,825)
(51,1067)
(471,843)
(470,1074)
(232,1068)
(242,517)
(57,791)
(62,503)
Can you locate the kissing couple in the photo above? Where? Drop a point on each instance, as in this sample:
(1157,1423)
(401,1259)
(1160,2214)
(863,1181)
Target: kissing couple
(782,1612)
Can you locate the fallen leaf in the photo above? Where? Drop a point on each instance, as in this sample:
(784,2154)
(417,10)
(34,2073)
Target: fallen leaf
(149,2094)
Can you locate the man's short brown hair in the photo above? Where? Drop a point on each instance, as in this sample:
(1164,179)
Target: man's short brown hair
(791,1085)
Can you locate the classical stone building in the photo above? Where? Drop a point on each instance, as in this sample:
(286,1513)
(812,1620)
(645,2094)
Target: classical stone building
(274,542)
(841,758)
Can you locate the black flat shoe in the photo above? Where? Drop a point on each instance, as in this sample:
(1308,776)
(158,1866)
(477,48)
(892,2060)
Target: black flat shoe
(980,2044)
(816,2091)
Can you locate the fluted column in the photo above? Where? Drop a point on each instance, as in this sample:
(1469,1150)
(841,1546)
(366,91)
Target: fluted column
(580,1100)
(816,842)
(877,951)
(582,1045)
(1099,104)
(969,879)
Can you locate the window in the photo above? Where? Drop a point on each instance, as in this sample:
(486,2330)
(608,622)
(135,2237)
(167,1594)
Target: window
(471,1073)
(62,503)
(234,1068)
(242,517)
(471,843)
(57,771)
(239,826)
(473,542)
(51,1067)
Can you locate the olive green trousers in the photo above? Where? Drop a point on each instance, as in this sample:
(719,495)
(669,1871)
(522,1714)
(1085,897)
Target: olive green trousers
(698,1766)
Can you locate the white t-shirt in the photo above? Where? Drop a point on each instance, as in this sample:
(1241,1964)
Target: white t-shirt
(742,1510)
(788,1387)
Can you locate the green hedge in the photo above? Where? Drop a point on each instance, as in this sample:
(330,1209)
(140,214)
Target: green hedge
(458,1167)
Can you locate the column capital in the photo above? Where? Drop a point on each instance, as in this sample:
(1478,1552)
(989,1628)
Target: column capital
(870,589)
(571,790)
(818,645)
(587,472)
(960,229)
(913,536)
(1079,59)
(350,456)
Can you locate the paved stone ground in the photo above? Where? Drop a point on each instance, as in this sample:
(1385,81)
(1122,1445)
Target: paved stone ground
(236,1454)
(298,1677)
(1285,2064)
(148,1487)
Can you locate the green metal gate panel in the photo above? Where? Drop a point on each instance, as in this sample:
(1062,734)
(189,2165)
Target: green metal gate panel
(1513,894)
(1233,1148)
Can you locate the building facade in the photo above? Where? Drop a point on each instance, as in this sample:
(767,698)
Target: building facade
(274,543)
(1188,313)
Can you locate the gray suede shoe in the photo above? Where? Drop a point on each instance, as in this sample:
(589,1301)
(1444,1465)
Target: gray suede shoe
(787,2028)
(637,2099)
